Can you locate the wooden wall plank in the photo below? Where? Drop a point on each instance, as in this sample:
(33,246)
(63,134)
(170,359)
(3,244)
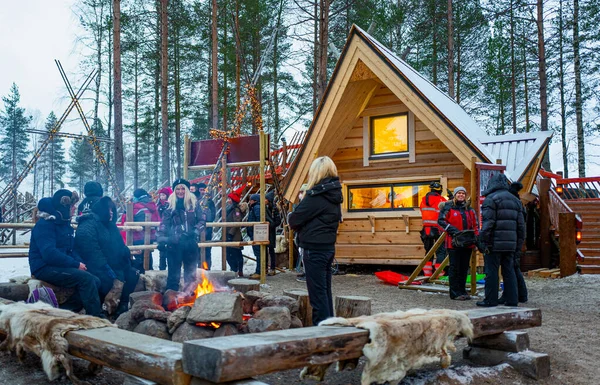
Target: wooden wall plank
(382,237)
(378,251)
(381,225)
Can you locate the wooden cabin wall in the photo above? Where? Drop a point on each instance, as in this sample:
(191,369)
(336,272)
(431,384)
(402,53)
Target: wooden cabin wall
(390,244)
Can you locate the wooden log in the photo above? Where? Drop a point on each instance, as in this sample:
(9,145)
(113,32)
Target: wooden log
(508,342)
(243,356)
(305,310)
(349,306)
(14,291)
(243,285)
(528,363)
(568,244)
(14,255)
(497,320)
(137,354)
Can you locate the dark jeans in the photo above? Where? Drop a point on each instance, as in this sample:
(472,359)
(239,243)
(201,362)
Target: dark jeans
(457,270)
(521,286)
(162,262)
(428,241)
(85,284)
(317,264)
(235,259)
(492,262)
(270,256)
(176,256)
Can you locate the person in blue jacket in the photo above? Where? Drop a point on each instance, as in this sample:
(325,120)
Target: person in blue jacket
(51,255)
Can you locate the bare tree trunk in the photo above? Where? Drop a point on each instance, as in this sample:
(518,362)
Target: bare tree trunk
(578,101)
(513,71)
(110,100)
(118,106)
(323,45)
(237,60)
(561,86)
(52,165)
(164,32)
(458,58)
(450,52)
(136,103)
(215,69)
(543,78)
(225,89)
(525,84)
(434,35)
(155,170)
(316,49)
(177,76)
(276,123)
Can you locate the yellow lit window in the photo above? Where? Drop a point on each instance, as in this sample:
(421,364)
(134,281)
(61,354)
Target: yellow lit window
(387,197)
(389,135)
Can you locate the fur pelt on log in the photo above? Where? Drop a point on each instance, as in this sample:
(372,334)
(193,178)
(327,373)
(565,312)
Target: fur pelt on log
(39,328)
(404,340)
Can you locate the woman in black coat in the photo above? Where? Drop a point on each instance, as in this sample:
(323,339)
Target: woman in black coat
(179,231)
(316,219)
(99,243)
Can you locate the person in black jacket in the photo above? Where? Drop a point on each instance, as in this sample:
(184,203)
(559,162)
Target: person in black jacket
(316,219)
(52,258)
(179,232)
(208,205)
(274,219)
(502,235)
(101,246)
(254,216)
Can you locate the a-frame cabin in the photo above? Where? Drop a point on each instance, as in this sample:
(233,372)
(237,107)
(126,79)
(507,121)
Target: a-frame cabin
(391,133)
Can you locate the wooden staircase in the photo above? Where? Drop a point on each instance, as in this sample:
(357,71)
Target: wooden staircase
(589,249)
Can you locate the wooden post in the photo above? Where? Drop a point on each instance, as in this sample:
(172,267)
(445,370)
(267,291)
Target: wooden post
(129,218)
(224,183)
(474,197)
(568,244)
(350,306)
(304,308)
(147,234)
(545,245)
(284,155)
(264,147)
(291,247)
(186,155)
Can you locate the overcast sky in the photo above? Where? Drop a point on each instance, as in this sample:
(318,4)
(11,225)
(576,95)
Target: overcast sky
(35,32)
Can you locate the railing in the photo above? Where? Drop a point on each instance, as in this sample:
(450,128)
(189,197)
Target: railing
(556,205)
(579,188)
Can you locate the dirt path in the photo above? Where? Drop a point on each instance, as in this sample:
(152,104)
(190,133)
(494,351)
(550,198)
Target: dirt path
(570,310)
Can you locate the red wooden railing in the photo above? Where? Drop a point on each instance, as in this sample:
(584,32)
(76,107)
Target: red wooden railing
(556,205)
(579,188)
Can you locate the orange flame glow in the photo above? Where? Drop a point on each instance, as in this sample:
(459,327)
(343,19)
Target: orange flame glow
(204,287)
(214,325)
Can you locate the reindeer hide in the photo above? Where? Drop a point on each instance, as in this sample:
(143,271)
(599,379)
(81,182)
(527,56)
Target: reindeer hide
(404,340)
(40,329)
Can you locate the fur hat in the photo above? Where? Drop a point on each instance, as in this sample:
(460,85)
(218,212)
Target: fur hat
(62,198)
(255,197)
(179,181)
(93,189)
(460,188)
(166,190)
(140,192)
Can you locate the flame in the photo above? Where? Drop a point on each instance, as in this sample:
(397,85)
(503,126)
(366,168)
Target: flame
(204,287)
(246,317)
(205,265)
(214,325)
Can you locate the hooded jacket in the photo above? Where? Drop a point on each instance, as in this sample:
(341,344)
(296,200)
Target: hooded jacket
(318,215)
(503,225)
(93,192)
(142,206)
(51,240)
(455,217)
(179,225)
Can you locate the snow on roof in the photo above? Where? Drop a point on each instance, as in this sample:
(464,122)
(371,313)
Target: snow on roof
(517,151)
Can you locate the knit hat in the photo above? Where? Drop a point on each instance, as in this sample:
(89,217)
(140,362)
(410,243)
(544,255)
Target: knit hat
(270,196)
(255,197)
(515,187)
(93,189)
(140,192)
(180,181)
(200,185)
(165,190)
(460,188)
(236,195)
(102,208)
(62,198)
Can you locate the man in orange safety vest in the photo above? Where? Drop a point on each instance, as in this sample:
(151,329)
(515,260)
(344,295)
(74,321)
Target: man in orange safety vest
(430,210)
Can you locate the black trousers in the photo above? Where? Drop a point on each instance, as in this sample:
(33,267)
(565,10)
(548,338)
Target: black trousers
(235,260)
(317,264)
(492,262)
(522,294)
(86,285)
(176,256)
(429,241)
(460,259)
(270,257)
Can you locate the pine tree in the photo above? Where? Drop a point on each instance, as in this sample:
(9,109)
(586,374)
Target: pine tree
(13,144)
(80,166)
(55,157)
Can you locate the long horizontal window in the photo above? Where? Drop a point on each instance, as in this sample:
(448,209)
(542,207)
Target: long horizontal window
(387,197)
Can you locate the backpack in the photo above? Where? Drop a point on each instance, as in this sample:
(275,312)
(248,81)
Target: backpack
(44,294)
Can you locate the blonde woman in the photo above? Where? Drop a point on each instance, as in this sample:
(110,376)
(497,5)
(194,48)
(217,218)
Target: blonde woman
(179,233)
(316,219)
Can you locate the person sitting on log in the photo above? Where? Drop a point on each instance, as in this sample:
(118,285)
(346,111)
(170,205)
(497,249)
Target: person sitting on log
(52,257)
(101,246)
(179,233)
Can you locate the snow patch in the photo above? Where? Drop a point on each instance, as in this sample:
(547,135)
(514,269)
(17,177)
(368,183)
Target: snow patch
(458,375)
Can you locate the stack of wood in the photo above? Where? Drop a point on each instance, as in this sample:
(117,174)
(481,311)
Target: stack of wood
(544,273)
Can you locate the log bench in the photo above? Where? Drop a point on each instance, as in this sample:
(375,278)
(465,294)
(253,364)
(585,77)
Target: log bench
(243,356)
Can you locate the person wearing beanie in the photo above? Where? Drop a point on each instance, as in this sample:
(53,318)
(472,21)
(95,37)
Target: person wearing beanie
(458,219)
(502,236)
(142,205)
(162,204)
(431,231)
(235,260)
(254,216)
(98,241)
(93,192)
(179,233)
(208,205)
(52,257)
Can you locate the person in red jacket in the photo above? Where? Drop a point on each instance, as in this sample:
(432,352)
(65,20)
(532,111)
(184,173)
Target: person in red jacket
(430,212)
(142,205)
(456,218)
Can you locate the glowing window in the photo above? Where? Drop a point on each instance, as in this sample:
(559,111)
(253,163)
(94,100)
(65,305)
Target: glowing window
(387,197)
(389,135)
